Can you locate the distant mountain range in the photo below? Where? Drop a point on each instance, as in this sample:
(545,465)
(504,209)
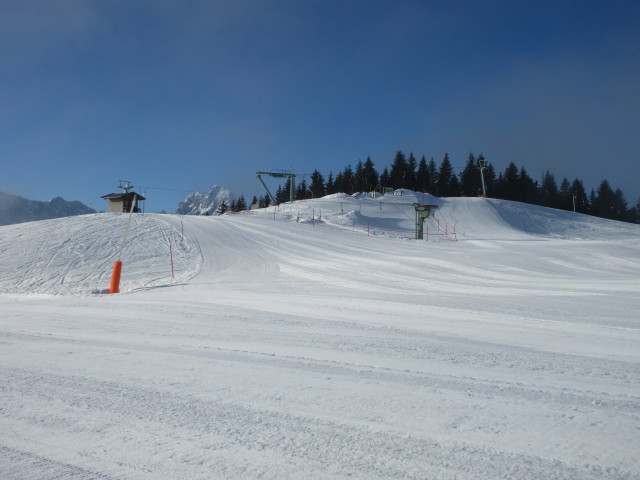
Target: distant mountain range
(17,209)
(198,204)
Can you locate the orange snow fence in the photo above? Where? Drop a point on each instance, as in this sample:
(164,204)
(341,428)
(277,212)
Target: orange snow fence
(115,277)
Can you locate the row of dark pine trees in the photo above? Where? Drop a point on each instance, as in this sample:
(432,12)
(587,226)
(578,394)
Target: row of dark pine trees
(442,181)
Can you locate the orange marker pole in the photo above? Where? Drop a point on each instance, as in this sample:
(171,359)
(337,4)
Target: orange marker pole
(115,277)
(114,287)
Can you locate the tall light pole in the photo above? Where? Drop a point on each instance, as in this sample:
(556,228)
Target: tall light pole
(482,165)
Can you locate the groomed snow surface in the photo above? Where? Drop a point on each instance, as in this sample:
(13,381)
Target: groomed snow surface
(320,340)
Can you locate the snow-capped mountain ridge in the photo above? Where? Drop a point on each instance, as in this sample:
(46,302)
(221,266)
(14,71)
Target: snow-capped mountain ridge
(208,204)
(17,209)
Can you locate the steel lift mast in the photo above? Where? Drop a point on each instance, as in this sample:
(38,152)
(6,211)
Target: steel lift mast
(292,193)
(126,187)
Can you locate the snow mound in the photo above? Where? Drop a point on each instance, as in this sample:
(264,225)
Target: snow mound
(75,255)
(459,218)
(335,196)
(485,218)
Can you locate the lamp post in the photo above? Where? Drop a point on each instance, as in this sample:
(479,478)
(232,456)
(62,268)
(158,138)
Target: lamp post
(482,165)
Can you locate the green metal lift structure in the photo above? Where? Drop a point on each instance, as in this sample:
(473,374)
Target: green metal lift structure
(291,176)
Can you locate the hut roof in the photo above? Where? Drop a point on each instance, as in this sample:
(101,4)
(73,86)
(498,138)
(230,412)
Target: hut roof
(114,196)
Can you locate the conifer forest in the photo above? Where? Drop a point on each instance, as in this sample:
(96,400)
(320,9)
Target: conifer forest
(441,180)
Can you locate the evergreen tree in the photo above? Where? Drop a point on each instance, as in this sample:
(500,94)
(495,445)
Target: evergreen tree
(499,187)
(344,181)
(317,185)
(632,214)
(348,179)
(385,179)
(254,201)
(282,194)
(410,180)
(301,190)
(592,202)
(565,198)
(548,192)
(330,187)
(579,196)
(527,188)
(338,183)
(447,183)
(422,176)
(370,176)
(454,185)
(432,176)
(489,178)
(508,183)
(609,203)
(470,183)
(619,206)
(398,170)
(603,204)
(222,208)
(241,204)
(358,177)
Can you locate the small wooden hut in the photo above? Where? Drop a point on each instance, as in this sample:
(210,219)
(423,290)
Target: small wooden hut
(121,202)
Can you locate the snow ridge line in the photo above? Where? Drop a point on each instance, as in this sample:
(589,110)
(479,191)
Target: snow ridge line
(370,229)
(19,465)
(481,387)
(489,388)
(350,448)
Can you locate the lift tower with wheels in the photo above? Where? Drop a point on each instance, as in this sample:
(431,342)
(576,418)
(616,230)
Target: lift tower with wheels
(422,213)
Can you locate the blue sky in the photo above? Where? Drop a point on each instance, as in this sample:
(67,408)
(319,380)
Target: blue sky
(179,96)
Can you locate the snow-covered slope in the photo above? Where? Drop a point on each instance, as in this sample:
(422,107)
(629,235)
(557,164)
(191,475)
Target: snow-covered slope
(198,204)
(75,255)
(294,342)
(16,209)
(469,218)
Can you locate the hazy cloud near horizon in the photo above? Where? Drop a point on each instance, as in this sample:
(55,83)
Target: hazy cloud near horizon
(559,114)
